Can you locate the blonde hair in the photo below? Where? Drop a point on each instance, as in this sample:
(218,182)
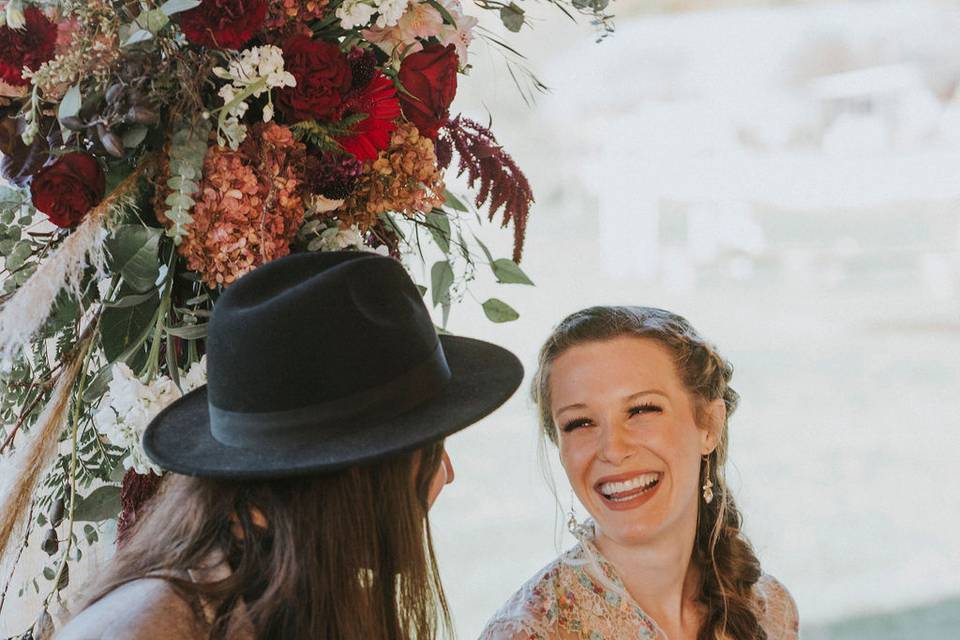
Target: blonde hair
(729,566)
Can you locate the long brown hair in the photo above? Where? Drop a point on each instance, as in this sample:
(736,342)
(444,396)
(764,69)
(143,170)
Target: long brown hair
(344,556)
(728,565)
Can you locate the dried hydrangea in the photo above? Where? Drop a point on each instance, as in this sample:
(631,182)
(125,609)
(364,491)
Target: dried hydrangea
(283,13)
(403,179)
(249,205)
(129,405)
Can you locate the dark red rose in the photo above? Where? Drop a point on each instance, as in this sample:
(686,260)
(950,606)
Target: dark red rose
(430,77)
(223,24)
(29,47)
(323,79)
(67,189)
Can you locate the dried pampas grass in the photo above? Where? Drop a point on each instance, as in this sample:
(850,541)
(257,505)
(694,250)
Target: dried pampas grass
(21,471)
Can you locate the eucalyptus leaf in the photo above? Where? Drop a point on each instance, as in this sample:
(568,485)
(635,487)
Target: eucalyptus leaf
(422,289)
(499,311)
(134,252)
(512,17)
(171,7)
(90,533)
(102,504)
(131,300)
(439,226)
(153,20)
(441,279)
(133,137)
(48,573)
(508,272)
(70,103)
(189,331)
(486,251)
(18,256)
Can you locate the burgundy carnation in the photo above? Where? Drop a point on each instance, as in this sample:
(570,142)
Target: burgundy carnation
(29,47)
(223,24)
(323,78)
(68,188)
(430,77)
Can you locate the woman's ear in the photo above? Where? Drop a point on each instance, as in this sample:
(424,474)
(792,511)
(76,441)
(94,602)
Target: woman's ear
(716,416)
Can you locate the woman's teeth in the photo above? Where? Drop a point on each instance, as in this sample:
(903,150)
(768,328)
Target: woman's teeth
(629,489)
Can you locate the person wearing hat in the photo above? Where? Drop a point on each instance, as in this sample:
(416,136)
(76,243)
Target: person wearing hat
(303,471)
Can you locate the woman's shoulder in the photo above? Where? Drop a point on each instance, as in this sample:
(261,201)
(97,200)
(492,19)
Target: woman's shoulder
(529,614)
(146,609)
(779,616)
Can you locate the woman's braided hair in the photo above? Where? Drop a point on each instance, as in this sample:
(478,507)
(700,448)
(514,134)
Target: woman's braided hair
(729,567)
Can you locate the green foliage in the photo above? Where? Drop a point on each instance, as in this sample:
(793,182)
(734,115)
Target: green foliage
(188,148)
(508,272)
(499,311)
(101,504)
(135,255)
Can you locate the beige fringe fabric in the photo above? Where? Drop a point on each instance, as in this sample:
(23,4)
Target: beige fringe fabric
(21,471)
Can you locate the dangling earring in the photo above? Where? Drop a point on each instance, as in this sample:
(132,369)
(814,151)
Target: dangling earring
(572,523)
(707,484)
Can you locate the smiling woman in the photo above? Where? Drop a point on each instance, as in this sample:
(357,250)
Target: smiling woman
(637,403)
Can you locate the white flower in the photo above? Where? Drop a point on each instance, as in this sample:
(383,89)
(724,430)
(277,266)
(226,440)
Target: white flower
(129,405)
(355,13)
(337,239)
(390,12)
(14,15)
(252,73)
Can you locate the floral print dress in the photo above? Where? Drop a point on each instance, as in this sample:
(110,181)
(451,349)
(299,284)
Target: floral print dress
(579,596)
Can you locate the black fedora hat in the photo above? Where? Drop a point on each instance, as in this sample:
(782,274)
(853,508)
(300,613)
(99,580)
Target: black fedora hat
(320,361)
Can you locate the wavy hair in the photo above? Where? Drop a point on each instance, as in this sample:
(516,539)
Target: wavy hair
(729,567)
(345,555)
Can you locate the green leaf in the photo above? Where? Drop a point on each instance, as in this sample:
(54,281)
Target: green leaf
(131,301)
(171,7)
(153,20)
(486,251)
(422,289)
(508,272)
(90,533)
(48,573)
(133,137)
(138,36)
(70,103)
(134,252)
(439,226)
(123,330)
(441,279)
(499,311)
(102,504)
(189,331)
(512,17)
(453,201)
(18,255)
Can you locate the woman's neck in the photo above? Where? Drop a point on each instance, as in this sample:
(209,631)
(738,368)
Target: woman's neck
(661,578)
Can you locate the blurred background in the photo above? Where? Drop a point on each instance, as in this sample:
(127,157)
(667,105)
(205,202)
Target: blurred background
(787,176)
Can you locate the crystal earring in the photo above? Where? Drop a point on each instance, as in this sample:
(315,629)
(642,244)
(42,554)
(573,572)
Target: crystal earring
(572,523)
(707,484)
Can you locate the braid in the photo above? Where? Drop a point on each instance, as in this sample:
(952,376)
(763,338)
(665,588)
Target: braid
(729,567)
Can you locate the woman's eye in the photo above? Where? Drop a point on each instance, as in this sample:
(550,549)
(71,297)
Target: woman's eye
(575,424)
(645,408)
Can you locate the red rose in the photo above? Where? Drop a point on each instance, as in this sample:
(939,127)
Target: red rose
(430,77)
(323,78)
(223,24)
(67,189)
(29,48)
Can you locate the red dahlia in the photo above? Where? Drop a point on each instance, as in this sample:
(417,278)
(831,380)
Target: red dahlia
(379,103)
(223,24)
(29,47)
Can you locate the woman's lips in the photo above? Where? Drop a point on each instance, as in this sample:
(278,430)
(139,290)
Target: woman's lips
(620,493)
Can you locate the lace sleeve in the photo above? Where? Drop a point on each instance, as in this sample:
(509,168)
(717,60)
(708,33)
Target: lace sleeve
(780,618)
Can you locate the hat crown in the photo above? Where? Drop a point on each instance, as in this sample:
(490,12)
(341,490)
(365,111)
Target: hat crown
(315,328)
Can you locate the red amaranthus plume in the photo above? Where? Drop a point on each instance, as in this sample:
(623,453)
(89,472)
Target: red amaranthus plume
(502,184)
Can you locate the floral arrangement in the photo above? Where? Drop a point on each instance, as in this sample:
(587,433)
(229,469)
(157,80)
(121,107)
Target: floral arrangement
(152,153)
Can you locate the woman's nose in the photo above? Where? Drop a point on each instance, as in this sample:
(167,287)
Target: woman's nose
(614,445)
(448,466)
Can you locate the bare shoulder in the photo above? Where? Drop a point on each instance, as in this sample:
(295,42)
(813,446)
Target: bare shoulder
(145,609)
(780,617)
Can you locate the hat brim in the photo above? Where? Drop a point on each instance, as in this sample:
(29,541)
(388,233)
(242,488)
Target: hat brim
(484,376)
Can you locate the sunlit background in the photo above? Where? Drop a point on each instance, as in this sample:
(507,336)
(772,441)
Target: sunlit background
(787,176)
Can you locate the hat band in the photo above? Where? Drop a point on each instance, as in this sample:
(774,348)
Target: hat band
(309,424)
